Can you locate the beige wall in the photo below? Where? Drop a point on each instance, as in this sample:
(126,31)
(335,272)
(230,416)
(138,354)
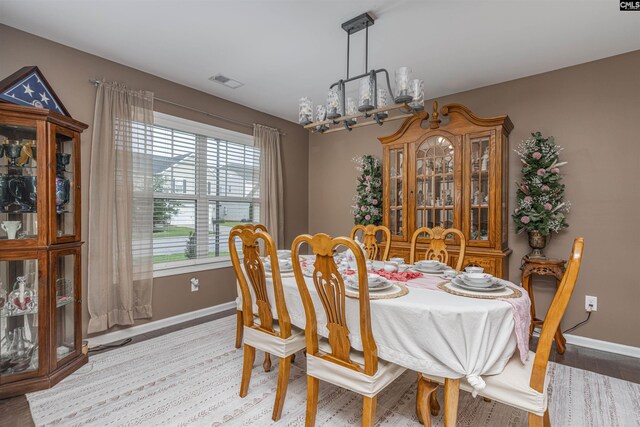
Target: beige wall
(69,70)
(593,110)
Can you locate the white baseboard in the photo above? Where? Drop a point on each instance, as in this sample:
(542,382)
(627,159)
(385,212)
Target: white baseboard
(595,344)
(158,324)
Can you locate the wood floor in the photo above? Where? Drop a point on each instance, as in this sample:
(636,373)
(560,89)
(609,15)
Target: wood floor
(15,411)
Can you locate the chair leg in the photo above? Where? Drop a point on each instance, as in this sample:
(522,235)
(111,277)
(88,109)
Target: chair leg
(369,410)
(426,389)
(535,420)
(293,357)
(434,404)
(451,394)
(267,362)
(247,367)
(281,391)
(239,328)
(312,401)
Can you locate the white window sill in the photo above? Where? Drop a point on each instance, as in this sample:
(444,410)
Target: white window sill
(164,270)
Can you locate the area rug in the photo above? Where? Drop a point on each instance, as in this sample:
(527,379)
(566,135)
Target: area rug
(191,378)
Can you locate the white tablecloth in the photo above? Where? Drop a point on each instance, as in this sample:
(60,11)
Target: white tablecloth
(432,332)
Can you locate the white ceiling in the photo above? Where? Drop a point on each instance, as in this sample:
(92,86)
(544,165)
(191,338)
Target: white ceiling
(282,50)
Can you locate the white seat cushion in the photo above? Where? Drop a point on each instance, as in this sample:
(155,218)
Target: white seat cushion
(511,386)
(350,379)
(274,344)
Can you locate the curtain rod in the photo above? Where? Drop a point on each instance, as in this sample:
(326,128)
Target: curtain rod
(206,113)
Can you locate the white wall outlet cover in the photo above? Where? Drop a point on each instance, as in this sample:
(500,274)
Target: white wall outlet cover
(195,284)
(590,303)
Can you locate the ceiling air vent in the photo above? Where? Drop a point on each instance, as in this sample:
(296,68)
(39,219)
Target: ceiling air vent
(224,80)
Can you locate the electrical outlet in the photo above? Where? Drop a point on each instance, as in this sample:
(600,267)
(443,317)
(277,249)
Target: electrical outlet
(590,303)
(195,284)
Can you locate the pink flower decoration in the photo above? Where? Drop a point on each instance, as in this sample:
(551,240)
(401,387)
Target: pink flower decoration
(374,201)
(555,170)
(363,209)
(368,178)
(541,172)
(537,155)
(528,199)
(545,188)
(548,206)
(367,217)
(525,220)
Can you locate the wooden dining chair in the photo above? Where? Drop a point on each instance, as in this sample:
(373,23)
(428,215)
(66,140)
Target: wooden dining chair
(371,246)
(523,386)
(437,249)
(334,360)
(275,337)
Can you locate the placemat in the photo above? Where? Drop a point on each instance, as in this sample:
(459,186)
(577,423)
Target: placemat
(508,292)
(396,291)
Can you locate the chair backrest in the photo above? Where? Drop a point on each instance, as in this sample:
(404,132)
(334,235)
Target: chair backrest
(554,315)
(329,286)
(437,249)
(370,243)
(250,236)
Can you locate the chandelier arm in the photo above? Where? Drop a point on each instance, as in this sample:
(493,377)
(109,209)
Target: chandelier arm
(374,77)
(366,50)
(348,55)
(388,82)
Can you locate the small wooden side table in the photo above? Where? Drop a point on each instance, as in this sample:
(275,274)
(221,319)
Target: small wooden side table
(542,267)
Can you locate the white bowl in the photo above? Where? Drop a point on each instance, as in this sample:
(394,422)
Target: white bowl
(284,253)
(397,260)
(428,263)
(477,278)
(474,269)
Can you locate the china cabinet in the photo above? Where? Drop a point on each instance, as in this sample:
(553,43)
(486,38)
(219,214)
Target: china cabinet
(449,172)
(40,290)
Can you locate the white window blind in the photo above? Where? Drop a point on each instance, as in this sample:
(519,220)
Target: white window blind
(203,186)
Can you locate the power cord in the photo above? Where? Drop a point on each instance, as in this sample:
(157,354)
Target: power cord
(589,311)
(107,346)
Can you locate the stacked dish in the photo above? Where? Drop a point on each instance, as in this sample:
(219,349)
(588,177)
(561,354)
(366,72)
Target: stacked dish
(286,266)
(376,282)
(481,282)
(430,267)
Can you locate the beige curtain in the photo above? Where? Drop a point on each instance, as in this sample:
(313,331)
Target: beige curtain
(271,193)
(120,239)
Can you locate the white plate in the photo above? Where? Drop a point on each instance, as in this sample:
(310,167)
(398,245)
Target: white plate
(437,270)
(498,285)
(354,286)
(267,268)
(476,284)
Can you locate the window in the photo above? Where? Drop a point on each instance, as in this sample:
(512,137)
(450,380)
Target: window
(206,180)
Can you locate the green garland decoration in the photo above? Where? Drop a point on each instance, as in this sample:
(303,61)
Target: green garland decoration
(540,194)
(367,208)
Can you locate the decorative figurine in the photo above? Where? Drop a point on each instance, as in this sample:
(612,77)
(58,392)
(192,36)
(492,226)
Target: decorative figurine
(485,159)
(11,228)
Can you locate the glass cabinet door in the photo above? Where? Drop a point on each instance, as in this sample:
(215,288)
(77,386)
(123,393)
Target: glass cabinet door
(18,184)
(65,181)
(19,310)
(65,269)
(396,196)
(480,203)
(435,183)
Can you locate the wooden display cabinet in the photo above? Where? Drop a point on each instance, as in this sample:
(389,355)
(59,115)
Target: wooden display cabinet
(451,174)
(40,270)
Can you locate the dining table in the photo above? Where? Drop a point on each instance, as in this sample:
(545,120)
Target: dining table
(429,330)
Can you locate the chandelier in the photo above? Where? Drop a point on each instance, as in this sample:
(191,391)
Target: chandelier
(373,104)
